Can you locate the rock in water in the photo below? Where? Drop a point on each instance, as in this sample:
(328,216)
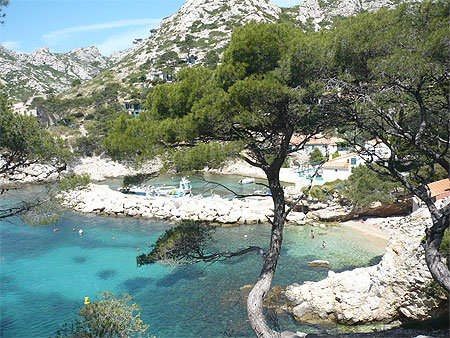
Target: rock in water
(320,263)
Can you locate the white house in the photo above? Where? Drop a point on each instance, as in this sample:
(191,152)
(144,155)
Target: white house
(327,145)
(23,109)
(158,76)
(339,168)
(379,150)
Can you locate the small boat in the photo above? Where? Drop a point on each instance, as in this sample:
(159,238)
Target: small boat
(247,180)
(184,189)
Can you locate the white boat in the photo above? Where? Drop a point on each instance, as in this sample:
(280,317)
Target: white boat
(247,180)
(184,189)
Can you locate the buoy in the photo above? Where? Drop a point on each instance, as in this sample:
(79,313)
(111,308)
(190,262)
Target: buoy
(114,238)
(80,232)
(55,230)
(245,236)
(73,229)
(138,249)
(86,300)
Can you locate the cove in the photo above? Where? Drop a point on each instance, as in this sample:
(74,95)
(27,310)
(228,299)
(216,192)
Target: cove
(47,274)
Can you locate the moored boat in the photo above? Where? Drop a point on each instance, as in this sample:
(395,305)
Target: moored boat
(184,189)
(247,180)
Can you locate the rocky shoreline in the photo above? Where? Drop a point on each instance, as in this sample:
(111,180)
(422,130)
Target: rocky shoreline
(98,168)
(396,288)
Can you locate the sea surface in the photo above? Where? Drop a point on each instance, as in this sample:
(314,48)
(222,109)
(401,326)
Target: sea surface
(45,275)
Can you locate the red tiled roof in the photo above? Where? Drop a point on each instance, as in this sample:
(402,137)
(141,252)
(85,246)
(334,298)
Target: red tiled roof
(440,189)
(336,165)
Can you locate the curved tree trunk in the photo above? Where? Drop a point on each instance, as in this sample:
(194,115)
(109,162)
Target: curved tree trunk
(434,235)
(255,300)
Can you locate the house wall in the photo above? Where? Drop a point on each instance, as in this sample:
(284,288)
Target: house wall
(332,174)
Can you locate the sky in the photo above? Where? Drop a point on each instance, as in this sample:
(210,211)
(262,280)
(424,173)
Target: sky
(63,25)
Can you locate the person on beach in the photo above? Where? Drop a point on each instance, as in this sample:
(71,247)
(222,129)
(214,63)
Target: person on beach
(323,244)
(312,234)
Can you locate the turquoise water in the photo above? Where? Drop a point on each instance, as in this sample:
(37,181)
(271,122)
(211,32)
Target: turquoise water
(45,275)
(200,186)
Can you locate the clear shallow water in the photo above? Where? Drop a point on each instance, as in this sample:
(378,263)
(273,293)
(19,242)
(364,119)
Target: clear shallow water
(201,187)
(46,275)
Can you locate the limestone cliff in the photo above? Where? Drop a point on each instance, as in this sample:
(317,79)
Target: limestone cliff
(320,13)
(43,72)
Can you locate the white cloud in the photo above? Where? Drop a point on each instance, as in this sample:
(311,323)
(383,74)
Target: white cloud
(11,44)
(62,34)
(121,41)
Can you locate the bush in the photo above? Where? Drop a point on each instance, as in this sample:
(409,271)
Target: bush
(365,186)
(111,316)
(317,156)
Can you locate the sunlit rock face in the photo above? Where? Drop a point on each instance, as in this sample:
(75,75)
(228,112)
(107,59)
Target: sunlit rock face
(321,13)
(44,72)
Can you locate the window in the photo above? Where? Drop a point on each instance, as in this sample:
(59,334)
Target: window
(353,161)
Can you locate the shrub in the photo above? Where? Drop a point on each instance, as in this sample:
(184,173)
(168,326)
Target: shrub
(111,316)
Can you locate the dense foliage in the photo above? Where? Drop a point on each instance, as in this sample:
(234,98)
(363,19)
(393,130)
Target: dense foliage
(317,156)
(185,243)
(23,142)
(110,316)
(3,3)
(365,187)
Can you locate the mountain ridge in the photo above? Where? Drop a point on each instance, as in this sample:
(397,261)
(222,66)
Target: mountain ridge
(199,29)
(43,72)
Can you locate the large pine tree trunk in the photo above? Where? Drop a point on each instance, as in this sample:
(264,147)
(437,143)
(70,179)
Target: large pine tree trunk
(255,301)
(434,235)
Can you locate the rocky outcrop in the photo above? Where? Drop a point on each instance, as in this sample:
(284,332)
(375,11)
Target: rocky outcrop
(41,72)
(319,264)
(395,288)
(321,13)
(97,167)
(334,212)
(101,199)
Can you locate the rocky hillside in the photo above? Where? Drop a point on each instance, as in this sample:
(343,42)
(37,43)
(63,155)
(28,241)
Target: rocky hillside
(197,33)
(43,72)
(198,27)
(321,13)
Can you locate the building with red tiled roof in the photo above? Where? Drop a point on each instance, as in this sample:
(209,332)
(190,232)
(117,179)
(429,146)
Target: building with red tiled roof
(437,190)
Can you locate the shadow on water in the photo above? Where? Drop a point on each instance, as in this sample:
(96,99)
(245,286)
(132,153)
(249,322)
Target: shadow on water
(5,324)
(79,259)
(106,274)
(22,244)
(234,261)
(134,285)
(375,260)
(180,274)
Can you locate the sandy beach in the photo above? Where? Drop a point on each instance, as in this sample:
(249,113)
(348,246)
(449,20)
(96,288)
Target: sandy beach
(380,237)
